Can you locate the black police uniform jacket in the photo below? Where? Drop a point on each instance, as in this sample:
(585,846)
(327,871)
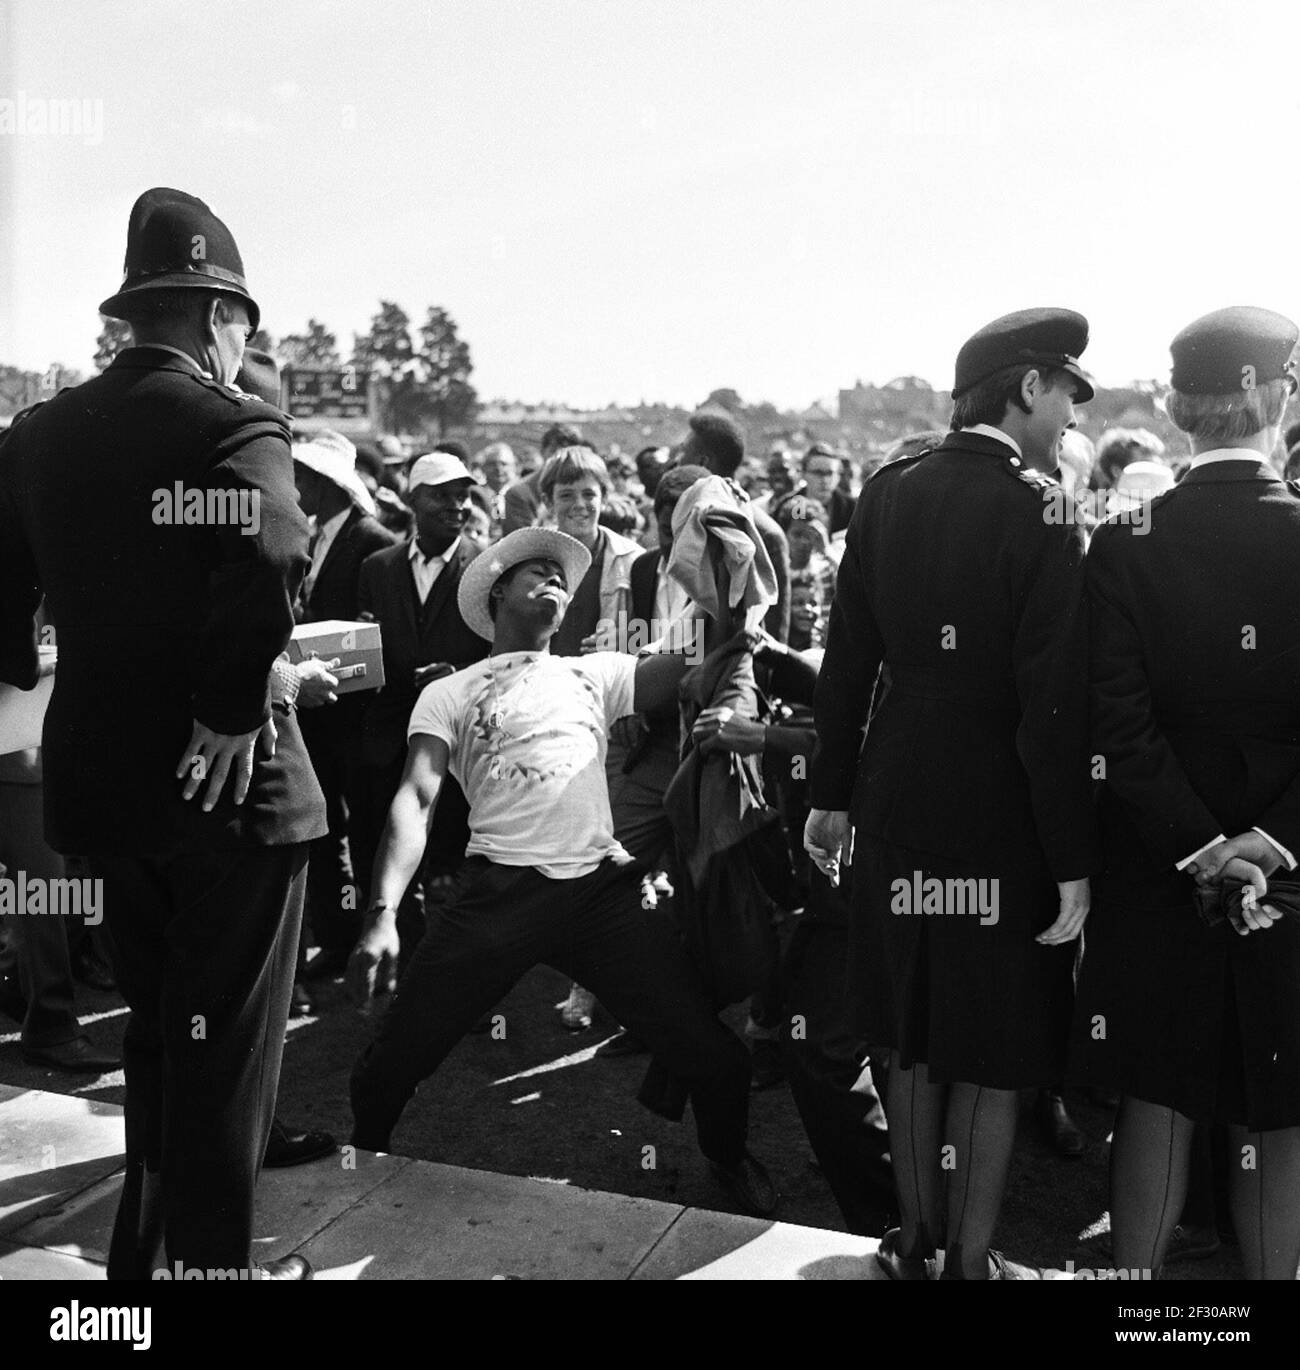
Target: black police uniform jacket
(962,586)
(158,622)
(1195,686)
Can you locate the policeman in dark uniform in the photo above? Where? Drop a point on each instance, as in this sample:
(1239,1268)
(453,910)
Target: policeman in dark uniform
(154,509)
(1195,683)
(970,797)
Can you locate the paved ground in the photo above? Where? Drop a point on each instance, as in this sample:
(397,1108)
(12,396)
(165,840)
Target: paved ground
(536,1104)
(390,1217)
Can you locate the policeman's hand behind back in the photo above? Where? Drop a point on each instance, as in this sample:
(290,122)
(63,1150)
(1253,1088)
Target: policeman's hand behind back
(1250,915)
(1076,899)
(209,759)
(1248,847)
(316,683)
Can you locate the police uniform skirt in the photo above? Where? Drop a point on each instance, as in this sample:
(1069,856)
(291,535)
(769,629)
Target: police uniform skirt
(965,990)
(1199,1019)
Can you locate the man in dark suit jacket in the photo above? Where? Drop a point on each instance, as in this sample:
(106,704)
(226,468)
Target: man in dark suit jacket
(410,591)
(154,509)
(347,532)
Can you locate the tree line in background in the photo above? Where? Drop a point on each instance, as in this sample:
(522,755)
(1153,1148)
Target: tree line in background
(424,390)
(424,380)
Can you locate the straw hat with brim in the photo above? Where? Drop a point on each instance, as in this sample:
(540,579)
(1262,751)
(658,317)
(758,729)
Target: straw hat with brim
(331,455)
(522,545)
(175,242)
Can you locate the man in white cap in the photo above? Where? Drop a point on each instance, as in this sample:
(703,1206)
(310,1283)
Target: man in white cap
(410,591)
(346,533)
(525,734)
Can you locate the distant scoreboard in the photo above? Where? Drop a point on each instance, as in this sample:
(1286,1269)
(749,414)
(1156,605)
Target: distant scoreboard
(339,394)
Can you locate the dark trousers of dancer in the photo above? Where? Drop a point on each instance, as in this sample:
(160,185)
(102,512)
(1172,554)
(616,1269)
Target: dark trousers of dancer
(203,947)
(839,1106)
(506,919)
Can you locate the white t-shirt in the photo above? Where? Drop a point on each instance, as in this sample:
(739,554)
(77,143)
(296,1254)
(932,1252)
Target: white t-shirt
(528,749)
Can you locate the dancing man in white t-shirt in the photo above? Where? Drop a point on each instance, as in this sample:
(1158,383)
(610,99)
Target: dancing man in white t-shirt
(545,880)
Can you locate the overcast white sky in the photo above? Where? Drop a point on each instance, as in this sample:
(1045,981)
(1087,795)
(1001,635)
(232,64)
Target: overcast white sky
(636,200)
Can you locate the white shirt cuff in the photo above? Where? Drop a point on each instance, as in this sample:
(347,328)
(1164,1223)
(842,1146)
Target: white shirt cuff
(1200,851)
(1287,858)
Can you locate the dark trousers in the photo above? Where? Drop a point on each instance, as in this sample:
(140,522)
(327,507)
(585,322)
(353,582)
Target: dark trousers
(38,944)
(203,946)
(506,919)
(337,878)
(840,1108)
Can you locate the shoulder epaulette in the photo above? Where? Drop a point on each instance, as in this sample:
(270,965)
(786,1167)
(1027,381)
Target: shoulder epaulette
(1037,480)
(230,393)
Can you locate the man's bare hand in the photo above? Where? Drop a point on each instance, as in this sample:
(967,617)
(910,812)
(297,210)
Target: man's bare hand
(372,967)
(1254,916)
(435,670)
(316,684)
(212,758)
(723,729)
(1076,900)
(1247,847)
(825,839)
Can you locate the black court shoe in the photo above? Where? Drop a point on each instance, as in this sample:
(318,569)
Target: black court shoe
(899,1267)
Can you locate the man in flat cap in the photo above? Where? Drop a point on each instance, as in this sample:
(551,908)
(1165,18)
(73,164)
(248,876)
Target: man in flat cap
(959,606)
(154,510)
(410,591)
(1195,682)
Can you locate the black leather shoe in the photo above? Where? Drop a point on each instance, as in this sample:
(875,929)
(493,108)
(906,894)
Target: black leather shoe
(288,1146)
(300,1001)
(326,965)
(1066,1139)
(899,1267)
(749,1184)
(293,1267)
(77,1055)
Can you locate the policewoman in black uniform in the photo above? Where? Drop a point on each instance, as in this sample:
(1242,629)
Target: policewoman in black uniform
(1192,1011)
(154,509)
(969,799)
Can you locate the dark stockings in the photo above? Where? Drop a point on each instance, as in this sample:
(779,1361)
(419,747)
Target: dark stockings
(963,1135)
(1150,1157)
(1264,1194)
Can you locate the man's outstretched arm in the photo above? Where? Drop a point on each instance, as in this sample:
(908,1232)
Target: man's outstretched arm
(401,848)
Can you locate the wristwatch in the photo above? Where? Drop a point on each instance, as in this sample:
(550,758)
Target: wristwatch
(285,682)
